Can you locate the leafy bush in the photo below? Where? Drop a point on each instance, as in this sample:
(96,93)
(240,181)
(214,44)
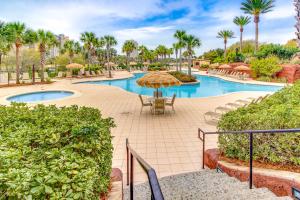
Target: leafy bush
(185,78)
(214,54)
(54,153)
(204,66)
(265,67)
(281,110)
(156,67)
(278,50)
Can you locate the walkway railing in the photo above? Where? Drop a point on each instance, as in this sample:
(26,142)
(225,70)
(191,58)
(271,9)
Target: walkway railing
(156,193)
(250,133)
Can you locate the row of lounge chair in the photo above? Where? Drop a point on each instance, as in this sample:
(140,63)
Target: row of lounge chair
(232,74)
(4,77)
(215,116)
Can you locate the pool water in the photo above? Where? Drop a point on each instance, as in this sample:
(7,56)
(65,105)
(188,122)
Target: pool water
(40,96)
(209,86)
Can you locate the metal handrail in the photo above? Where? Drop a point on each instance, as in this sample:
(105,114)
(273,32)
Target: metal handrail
(250,132)
(156,193)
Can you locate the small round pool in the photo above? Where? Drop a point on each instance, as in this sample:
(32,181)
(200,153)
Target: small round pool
(40,96)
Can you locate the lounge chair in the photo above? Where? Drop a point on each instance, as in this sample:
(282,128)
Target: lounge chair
(93,73)
(13,76)
(170,102)
(144,103)
(87,73)
(60,75)
(4,77)
(159,105)
(69,74)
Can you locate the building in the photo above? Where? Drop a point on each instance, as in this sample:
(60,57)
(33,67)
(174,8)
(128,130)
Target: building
(197,63)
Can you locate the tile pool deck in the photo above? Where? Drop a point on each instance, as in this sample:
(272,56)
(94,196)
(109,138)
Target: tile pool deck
(168,142)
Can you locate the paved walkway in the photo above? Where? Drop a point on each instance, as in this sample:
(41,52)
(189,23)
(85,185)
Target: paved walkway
(168,142)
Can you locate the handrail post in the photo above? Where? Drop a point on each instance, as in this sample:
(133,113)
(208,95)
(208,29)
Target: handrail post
(203,151)
(251,160)
(127,155)
(131,177)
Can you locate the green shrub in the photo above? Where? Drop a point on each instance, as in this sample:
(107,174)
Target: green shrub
(54,153)
(185,78)
(265,67)
(278,50)
(204,66)
(280,111)
(156,67)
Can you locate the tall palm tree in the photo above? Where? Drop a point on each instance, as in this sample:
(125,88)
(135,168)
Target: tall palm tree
(128,47)
(191,42)
(109,42)
(179,35)
(45,40)
(5,39)
(241,22)
(255,8)
(19,36)
(176,47)
(89,40)
(71,47)
(225,35)
(142,52)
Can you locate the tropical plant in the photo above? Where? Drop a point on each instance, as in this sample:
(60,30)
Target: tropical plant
(161,51)
(212,55)
(256,8)
(109,42)
(191,42)
(71,48)
(282,52)
(66,153)
(241,22)
(4,40)
(19,35)
(128,47)
(179,35)
(90,41)
(266,67)
(225,35)
(45,40)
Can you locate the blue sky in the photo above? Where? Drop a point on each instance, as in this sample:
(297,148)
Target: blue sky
(149,22)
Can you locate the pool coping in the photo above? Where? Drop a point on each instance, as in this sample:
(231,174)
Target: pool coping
(74,95)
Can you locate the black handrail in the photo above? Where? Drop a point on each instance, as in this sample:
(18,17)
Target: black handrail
(156,193)
(250,132)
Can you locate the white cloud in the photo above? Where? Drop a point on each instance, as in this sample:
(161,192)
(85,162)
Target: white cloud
(281,11)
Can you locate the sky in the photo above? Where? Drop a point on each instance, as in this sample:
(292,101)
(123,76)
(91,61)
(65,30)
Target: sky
(149,22)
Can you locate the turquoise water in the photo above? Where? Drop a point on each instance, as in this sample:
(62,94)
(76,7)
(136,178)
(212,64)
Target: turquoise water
(40,96)
(209,86)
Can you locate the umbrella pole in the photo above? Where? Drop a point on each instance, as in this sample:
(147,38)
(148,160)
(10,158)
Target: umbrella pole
(157,93)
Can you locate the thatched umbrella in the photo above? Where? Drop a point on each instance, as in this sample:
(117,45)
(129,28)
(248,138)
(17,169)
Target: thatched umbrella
(225,66)
(157,80)
(132,63)
(242,68)
(74,66)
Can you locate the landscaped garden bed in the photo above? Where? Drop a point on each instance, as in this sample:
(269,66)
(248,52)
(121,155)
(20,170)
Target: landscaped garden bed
(184,78)
(280,111)
(54,153)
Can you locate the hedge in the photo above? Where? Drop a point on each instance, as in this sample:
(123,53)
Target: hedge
(279,111)
(54,153)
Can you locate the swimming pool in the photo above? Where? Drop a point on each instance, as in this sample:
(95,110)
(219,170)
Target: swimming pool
(39,96)
(209,86)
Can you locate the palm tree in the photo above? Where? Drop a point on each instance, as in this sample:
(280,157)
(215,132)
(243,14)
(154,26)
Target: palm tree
(128,47)
(90,41)
(241,22)
(5,38)
(255,8)
(176,47)
(19,36)
(72,48)
(142,52)
(45,40)
(109,42)
(191,42)
(179,35)
(225,35)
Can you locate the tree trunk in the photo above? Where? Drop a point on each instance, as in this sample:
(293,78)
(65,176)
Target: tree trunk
(241,40)
(190,67)
(225,48)
(176,60)
(17,65)
(109,67)
(256,21)
(180,59)
(43,58)
(0,58)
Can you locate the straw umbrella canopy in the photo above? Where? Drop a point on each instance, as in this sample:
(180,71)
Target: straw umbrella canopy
(242,68)
(74,66)
(132,63)
(225,66)
(157,80)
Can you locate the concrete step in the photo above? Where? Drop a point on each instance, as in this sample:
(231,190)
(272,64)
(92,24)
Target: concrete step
(206,185)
